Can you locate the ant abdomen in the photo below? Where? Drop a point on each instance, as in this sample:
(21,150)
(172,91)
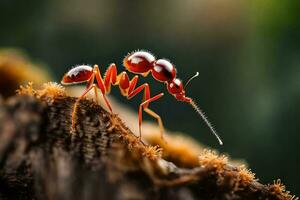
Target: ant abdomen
(139,62)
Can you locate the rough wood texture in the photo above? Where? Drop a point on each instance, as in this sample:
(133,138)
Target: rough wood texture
(41,158)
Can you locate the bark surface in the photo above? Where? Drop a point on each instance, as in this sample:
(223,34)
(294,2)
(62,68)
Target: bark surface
(42,158)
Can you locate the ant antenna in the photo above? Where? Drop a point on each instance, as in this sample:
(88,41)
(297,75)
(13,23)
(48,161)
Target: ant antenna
(197,74)
(200,112)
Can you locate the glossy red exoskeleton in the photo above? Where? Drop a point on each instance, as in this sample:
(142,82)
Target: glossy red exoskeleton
(139,62)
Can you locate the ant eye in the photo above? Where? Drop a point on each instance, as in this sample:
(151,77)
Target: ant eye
(139,62)
(163,70)
(78,74)
(175,86)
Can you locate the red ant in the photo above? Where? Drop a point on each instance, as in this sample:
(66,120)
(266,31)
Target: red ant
(142,63)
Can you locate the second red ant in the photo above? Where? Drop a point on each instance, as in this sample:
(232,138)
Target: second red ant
(139,62)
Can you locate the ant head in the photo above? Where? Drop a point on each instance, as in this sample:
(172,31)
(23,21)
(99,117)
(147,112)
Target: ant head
(78,74)
(175,87)
(139,62)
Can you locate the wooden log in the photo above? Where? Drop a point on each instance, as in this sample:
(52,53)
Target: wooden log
(41,157)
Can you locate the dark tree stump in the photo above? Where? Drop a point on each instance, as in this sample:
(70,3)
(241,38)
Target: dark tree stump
(42,158)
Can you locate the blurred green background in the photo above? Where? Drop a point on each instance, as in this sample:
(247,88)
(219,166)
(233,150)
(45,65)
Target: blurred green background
(247,53)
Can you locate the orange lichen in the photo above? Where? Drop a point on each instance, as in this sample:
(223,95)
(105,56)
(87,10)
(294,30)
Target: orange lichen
(48,90)
(179,149)
(133,142)
(152,152)
(245,175)
(51,90)
(210,159)
(26,90)
(218,165)
(279,190)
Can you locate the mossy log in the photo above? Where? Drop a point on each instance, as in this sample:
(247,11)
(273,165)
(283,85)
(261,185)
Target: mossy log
(42,158)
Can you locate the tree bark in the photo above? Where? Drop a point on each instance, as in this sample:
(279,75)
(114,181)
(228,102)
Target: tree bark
(41,157)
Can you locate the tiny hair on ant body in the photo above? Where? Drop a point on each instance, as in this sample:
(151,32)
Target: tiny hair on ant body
(140,63)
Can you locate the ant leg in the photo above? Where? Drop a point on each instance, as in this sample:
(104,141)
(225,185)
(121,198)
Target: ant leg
(107,102)
(137,90)
(159,120)
(96,94)
(110,77)
(144,105)
(101,85)
(77,102)
(90,82)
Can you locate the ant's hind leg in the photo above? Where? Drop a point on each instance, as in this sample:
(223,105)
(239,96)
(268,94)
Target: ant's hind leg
(93,86)
(159,120)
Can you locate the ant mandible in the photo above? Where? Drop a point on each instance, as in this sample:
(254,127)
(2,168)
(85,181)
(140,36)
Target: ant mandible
(139,62)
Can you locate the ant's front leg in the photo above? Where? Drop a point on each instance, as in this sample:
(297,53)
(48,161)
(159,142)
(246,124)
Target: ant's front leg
(144,106)
(159,120)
